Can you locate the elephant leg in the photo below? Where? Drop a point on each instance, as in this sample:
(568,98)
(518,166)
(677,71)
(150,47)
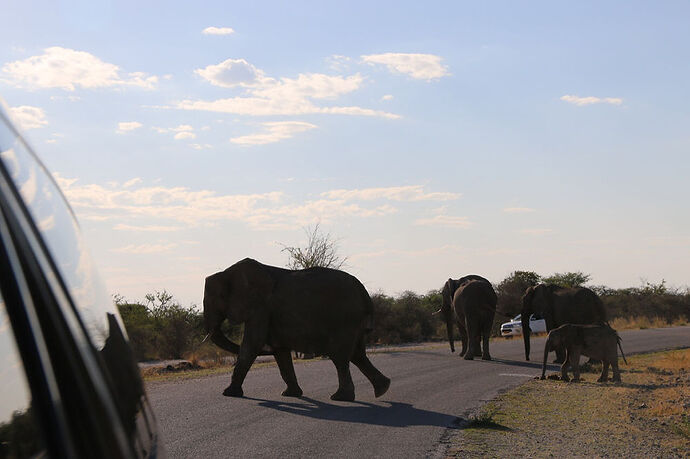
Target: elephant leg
(346,388)
(463,337)
(560,355)
(604,371)
(380,382)
(486,333)
(244,362)
(616,371)
(574,358)
(473,338)
(287,372)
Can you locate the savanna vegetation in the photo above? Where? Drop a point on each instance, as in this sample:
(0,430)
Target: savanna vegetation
(159,327)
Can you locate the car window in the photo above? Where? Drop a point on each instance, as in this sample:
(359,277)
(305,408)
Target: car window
(535,317)
(97,316)
(59,229)
(19,431)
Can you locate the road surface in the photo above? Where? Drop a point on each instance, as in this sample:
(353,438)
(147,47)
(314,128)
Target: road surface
(431,388)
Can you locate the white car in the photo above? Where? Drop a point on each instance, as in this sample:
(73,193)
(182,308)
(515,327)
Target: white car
(514,327)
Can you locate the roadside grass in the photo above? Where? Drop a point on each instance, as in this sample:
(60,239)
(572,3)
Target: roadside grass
(645,416)
(642,323)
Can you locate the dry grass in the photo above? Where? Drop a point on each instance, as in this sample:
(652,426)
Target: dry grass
(641,323)
(645,416)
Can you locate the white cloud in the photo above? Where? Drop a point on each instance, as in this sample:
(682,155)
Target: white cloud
(182,207)
(419,66)
(387,97)
(264,96)
(145,248)
(582,101)
(338,62)
(445,221)
(274,132)
(217,31)
(200,146)
(518,210)
(184,135)
(231,73)
(399,193)
(182,132)
(128,126)
(66,69)
(28,117)
(131,182)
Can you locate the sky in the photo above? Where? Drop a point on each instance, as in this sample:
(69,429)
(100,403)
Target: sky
(429,139)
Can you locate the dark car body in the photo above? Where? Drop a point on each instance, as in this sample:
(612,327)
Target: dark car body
(69,386)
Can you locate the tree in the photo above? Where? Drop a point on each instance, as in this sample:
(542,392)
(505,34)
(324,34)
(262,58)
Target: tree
(569,279)
(511,289)
(321,250)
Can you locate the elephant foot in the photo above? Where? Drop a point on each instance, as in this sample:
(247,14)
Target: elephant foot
(344,395)
(542,377)
(292,392)
(468,356)
(602,379)
(559,360)
(382,386)
(616,379)
(486,357)
(232,391)
(565,379)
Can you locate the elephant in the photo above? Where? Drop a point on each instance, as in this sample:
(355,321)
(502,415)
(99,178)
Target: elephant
(594,341)
(474,301)
(557,306)
(317,310)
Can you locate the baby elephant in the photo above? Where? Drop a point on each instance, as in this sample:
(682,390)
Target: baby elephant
(595,341)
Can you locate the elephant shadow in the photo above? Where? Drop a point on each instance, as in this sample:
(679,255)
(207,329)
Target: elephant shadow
(396,414)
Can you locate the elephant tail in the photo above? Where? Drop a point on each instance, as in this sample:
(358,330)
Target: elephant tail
(618,339)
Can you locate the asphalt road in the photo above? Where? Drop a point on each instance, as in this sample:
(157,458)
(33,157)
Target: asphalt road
(430,389)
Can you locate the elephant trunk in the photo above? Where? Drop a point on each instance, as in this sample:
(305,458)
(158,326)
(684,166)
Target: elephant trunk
(525,333)
(448,314)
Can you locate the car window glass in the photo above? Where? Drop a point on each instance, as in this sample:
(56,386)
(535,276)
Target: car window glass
(19,434)
(59,229)
(535,317)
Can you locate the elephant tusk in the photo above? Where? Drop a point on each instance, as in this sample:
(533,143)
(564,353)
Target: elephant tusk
(437,312)
(205,338)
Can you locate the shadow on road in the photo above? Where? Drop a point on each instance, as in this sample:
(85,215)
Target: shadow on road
(524,364)
(397,414)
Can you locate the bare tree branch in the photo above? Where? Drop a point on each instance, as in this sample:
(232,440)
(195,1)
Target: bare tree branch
(321,250)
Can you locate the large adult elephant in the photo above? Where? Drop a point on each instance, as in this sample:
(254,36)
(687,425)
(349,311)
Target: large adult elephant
(471,301)
(557,306)
(316,310)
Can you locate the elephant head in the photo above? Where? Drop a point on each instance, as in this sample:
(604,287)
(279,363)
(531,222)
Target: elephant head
(447,293)
(239,293)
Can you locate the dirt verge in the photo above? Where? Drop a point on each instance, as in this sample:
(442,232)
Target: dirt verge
(647,415)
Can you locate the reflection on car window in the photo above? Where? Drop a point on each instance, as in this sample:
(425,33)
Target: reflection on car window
(58,227)
(19,434)
(59,230)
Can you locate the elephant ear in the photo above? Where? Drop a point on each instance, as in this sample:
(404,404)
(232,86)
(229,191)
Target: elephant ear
(527,300)
(447,294)
(252,286)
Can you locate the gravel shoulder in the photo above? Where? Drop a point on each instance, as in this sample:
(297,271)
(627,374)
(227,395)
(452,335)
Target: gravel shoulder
(647,415)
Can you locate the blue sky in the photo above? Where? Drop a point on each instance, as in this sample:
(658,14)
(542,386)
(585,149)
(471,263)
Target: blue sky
(431,139)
